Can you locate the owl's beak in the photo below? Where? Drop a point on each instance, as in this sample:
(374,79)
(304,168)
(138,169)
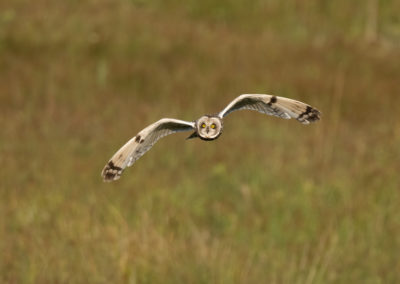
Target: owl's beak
(207,129)
(193,135)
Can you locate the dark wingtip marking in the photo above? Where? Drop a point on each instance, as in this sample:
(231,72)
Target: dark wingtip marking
(113,167)
(137,139)
(315,115)
(111,172)
(310,114)
(109,176)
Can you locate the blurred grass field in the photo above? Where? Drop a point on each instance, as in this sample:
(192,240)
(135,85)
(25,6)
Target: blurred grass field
(270,201)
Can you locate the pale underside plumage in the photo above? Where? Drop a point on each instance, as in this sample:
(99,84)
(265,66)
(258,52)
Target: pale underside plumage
(273,105)
(145,139)
(140,144)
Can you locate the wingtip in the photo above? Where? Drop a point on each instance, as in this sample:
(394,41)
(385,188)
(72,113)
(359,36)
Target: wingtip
(315,115)
(309,115)
(111,172)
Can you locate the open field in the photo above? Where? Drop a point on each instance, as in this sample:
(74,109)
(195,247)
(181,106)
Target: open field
(270,201)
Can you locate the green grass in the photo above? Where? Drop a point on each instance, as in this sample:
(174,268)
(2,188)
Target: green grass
(270,201)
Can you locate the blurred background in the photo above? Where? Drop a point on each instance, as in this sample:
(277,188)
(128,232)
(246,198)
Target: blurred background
(270,201)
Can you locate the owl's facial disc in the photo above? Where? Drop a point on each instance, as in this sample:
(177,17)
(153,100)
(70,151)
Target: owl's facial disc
(209,128)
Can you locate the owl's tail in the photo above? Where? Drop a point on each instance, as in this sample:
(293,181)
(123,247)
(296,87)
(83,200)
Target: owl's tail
(193,135)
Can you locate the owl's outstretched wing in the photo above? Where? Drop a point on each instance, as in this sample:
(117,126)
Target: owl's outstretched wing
(140,144)
(273,105)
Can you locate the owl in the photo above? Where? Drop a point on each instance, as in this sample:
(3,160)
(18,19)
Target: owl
(207,127)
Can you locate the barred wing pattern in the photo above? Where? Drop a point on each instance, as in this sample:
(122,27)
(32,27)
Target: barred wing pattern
(275,106)
(140,144)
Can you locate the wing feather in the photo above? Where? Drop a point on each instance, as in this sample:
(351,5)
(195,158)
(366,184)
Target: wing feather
(273,105)
(140,144)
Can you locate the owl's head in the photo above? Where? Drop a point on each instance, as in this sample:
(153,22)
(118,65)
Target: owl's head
(209,127)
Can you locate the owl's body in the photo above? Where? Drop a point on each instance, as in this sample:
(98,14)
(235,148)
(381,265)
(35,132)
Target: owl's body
(207,127)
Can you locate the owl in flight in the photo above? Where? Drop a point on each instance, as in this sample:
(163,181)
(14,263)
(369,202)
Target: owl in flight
(207,127)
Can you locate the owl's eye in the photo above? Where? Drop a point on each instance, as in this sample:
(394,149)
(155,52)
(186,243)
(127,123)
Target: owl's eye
(203,125)
(213,125)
